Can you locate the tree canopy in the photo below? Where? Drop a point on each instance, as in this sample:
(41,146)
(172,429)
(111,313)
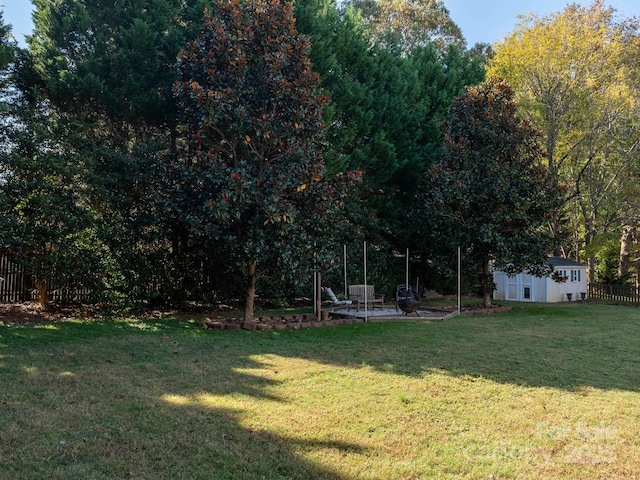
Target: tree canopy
(224,172)
(252,173)
(573,77)
(409,24)
(383,115)
(490,195)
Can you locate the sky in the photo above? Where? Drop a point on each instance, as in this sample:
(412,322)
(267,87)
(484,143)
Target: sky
(485,21)
(488,21)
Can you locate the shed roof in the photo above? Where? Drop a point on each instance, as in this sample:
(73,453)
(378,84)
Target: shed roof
(563,262)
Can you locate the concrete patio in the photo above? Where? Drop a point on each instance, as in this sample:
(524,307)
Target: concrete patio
(390,313)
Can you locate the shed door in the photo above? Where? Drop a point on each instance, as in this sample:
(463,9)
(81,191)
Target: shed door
(526,288)
(512,288)
(520,288)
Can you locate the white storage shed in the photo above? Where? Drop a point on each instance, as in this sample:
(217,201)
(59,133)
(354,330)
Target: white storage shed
(529,288)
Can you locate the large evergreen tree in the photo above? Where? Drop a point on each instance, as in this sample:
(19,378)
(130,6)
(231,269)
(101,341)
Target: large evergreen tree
(109,68)
(384,112)
(491,194)
(252,178)
(45,223)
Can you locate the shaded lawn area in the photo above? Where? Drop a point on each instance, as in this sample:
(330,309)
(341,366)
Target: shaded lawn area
(544,391)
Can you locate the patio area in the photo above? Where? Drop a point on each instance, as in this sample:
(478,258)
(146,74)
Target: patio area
(390,313)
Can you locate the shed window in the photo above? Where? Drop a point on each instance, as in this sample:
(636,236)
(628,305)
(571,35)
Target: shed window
(575,275)
(526,293)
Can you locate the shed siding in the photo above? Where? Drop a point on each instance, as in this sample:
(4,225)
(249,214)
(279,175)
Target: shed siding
(527,288)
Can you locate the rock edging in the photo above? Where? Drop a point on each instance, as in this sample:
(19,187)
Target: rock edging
(278,322)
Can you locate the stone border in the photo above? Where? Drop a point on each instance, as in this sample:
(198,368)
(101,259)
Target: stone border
(308,320)
(284,322)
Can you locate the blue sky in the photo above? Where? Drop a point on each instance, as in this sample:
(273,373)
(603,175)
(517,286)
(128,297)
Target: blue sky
(491,20)
(480,20)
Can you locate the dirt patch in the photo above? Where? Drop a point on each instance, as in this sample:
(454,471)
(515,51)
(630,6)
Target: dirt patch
(477,309)
(31,312)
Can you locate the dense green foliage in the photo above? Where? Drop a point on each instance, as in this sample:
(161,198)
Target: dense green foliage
(209,173)
(251,180)
(383,120)
(109,70)
(491,193)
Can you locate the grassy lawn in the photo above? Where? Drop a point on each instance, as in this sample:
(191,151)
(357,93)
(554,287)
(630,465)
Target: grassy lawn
(544,391)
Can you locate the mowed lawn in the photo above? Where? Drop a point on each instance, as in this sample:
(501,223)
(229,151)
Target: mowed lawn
(544,391)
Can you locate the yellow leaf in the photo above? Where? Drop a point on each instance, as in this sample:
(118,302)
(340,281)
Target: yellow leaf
(302,187)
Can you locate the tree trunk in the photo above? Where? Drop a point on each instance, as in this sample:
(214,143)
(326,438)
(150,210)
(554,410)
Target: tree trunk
(591,270)
(251,293)
(487,283)
(42,286)
(625,252)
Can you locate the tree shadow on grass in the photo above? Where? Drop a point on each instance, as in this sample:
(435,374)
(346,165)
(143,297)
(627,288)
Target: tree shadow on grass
(150,401)
(564,346)
(154,398)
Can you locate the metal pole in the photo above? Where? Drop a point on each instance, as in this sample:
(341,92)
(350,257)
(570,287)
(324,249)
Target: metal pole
(366,312)
(406,272)
(319,295)
(345,269)
(315,292)
(459,300)
(316,313)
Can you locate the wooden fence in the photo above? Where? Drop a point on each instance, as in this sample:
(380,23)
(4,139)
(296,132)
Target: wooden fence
(17,286)
(615,293)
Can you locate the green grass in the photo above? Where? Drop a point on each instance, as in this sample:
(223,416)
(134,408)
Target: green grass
(545,391)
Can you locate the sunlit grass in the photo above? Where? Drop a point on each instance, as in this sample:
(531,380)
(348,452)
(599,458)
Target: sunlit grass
(541,392)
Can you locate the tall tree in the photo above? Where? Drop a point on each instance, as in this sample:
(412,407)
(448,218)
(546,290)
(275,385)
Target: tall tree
(109,68)
(571,75)
(384,112)
(409,24)
(491,194)
(252,177)
(113,59)
(43,216)
(7,47)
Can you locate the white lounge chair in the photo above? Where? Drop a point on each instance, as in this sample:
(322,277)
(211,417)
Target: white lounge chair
(335,301)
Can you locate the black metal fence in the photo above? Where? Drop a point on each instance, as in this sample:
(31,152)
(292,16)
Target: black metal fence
(13,285)
(18,286)
(615,293)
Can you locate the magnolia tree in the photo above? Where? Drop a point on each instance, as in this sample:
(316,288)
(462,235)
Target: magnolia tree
(250,182)
(491,193)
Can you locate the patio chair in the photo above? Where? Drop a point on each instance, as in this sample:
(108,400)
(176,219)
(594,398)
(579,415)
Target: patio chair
(357,294)
(335,301)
